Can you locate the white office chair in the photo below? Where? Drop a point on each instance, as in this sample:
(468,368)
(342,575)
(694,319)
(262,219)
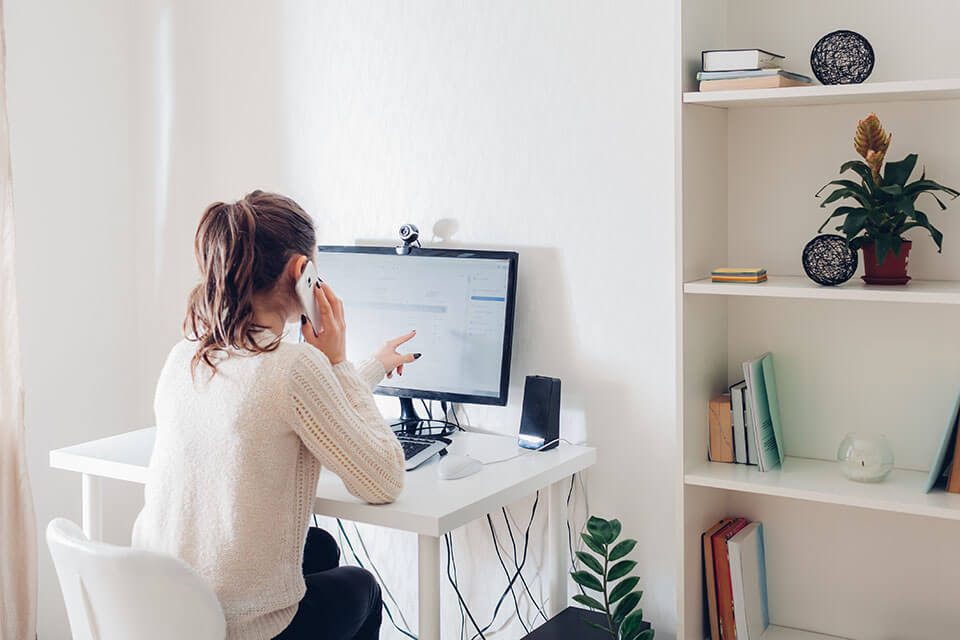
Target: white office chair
(120,593)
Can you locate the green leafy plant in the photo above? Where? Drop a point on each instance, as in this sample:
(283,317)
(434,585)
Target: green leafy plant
(607,565)
(885,203)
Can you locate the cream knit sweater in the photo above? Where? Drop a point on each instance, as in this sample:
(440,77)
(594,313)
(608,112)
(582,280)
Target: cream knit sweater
(235,466)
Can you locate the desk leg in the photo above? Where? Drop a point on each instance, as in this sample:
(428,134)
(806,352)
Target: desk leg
(428,550)
(91,507)
(557,560)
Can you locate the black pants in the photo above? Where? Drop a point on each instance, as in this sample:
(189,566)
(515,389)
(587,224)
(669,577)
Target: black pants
(341,603)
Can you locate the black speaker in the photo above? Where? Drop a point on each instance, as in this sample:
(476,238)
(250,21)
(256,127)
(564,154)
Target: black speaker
(540,420)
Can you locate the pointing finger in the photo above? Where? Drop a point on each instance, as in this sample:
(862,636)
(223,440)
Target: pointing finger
(396,342)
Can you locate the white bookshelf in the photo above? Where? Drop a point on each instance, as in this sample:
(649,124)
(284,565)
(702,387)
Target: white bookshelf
(916,291)
(817,95)
(844,559)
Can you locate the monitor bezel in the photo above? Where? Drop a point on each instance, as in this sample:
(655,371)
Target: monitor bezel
(512,258)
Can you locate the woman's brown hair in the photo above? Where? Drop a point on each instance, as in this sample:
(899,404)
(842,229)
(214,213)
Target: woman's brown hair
(241,248)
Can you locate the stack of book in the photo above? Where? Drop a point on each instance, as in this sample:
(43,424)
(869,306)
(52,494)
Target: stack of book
(744,424)
(730,69)
(735,572)
(738,274)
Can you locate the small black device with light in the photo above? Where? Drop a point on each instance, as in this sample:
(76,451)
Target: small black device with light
(540,420)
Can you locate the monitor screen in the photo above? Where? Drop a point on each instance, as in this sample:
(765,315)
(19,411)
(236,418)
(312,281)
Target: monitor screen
(460,302)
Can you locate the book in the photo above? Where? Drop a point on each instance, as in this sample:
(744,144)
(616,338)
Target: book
(763,82)
(739,428)
(710,576)
(953,480)
(753,457)
(704,76)
(720,443)
(946,452)
(738,274)
(721,563)
(765,410)
(748,577)
(733,59)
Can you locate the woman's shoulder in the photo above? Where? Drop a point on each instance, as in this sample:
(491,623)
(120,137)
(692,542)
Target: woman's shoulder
(297,358)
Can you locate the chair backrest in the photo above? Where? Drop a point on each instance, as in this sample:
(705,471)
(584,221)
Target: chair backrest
(120,593)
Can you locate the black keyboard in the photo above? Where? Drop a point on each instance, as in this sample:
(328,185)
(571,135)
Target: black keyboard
(413,445)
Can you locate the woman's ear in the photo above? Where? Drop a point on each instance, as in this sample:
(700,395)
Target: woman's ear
(295,266)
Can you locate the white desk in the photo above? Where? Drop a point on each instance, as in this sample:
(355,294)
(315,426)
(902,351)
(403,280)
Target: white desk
(428,506)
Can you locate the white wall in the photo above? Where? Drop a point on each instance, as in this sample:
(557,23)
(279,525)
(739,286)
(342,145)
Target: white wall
(546,127)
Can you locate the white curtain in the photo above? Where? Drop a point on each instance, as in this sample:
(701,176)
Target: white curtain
(18,535)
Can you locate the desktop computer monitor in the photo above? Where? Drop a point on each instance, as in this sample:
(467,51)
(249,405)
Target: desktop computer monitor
(460,302)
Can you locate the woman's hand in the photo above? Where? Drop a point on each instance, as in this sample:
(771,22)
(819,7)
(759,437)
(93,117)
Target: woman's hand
(390,359)
(332,339)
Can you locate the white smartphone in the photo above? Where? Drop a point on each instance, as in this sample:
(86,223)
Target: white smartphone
(306,283)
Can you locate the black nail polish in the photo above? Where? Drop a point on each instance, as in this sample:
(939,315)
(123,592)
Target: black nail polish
(416,356)
(303,319)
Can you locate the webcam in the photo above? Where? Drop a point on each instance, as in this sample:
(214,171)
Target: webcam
(410,235)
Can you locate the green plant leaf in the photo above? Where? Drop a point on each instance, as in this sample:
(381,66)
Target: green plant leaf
(622,548)
(646,634)
(630,627)
(587,580)
(597,626)
(921,220)
(894,190)
(591,562)
(587,601)
(854,224)
(898,172)
(919,186)
(862,169)
(623,587)
(600,529)
(628,604)
(615,529)
(859,195)
(593,544)
(620,569)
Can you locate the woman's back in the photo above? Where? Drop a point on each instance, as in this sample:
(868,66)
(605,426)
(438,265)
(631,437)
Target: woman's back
(232,478)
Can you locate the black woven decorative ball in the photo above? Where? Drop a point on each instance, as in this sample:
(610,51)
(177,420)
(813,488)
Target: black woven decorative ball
(828,260)
(842,57)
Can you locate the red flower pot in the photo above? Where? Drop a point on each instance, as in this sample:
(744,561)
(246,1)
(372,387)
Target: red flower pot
(894,267)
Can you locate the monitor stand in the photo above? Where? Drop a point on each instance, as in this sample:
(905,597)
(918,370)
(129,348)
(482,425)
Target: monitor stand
(409,417)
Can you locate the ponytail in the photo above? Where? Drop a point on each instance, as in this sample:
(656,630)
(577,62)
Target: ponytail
(241,249)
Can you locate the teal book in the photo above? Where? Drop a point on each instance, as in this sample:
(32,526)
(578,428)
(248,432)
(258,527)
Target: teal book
(765,410)
(945,452)
(748,577)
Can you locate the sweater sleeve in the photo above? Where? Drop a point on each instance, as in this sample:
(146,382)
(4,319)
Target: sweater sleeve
(338,421)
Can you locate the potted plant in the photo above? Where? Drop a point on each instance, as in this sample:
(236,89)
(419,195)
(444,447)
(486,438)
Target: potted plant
(622,619)
(884,205)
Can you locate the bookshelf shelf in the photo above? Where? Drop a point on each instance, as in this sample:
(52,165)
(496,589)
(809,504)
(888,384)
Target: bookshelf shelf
(868,92)
(774,632)
(822,481)
(917,291)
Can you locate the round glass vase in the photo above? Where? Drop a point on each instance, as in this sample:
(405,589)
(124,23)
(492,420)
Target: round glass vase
(865,458)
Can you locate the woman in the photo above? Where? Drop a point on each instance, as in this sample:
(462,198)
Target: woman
(245,422)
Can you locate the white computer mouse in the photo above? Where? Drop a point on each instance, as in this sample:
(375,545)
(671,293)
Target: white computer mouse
(453,466)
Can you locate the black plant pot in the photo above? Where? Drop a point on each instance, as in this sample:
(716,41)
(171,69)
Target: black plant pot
(570,624)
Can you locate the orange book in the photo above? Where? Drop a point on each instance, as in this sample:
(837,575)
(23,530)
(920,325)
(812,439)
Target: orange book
(721,430)
(721,561)
(710,576)
(763,82)
(953,480)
